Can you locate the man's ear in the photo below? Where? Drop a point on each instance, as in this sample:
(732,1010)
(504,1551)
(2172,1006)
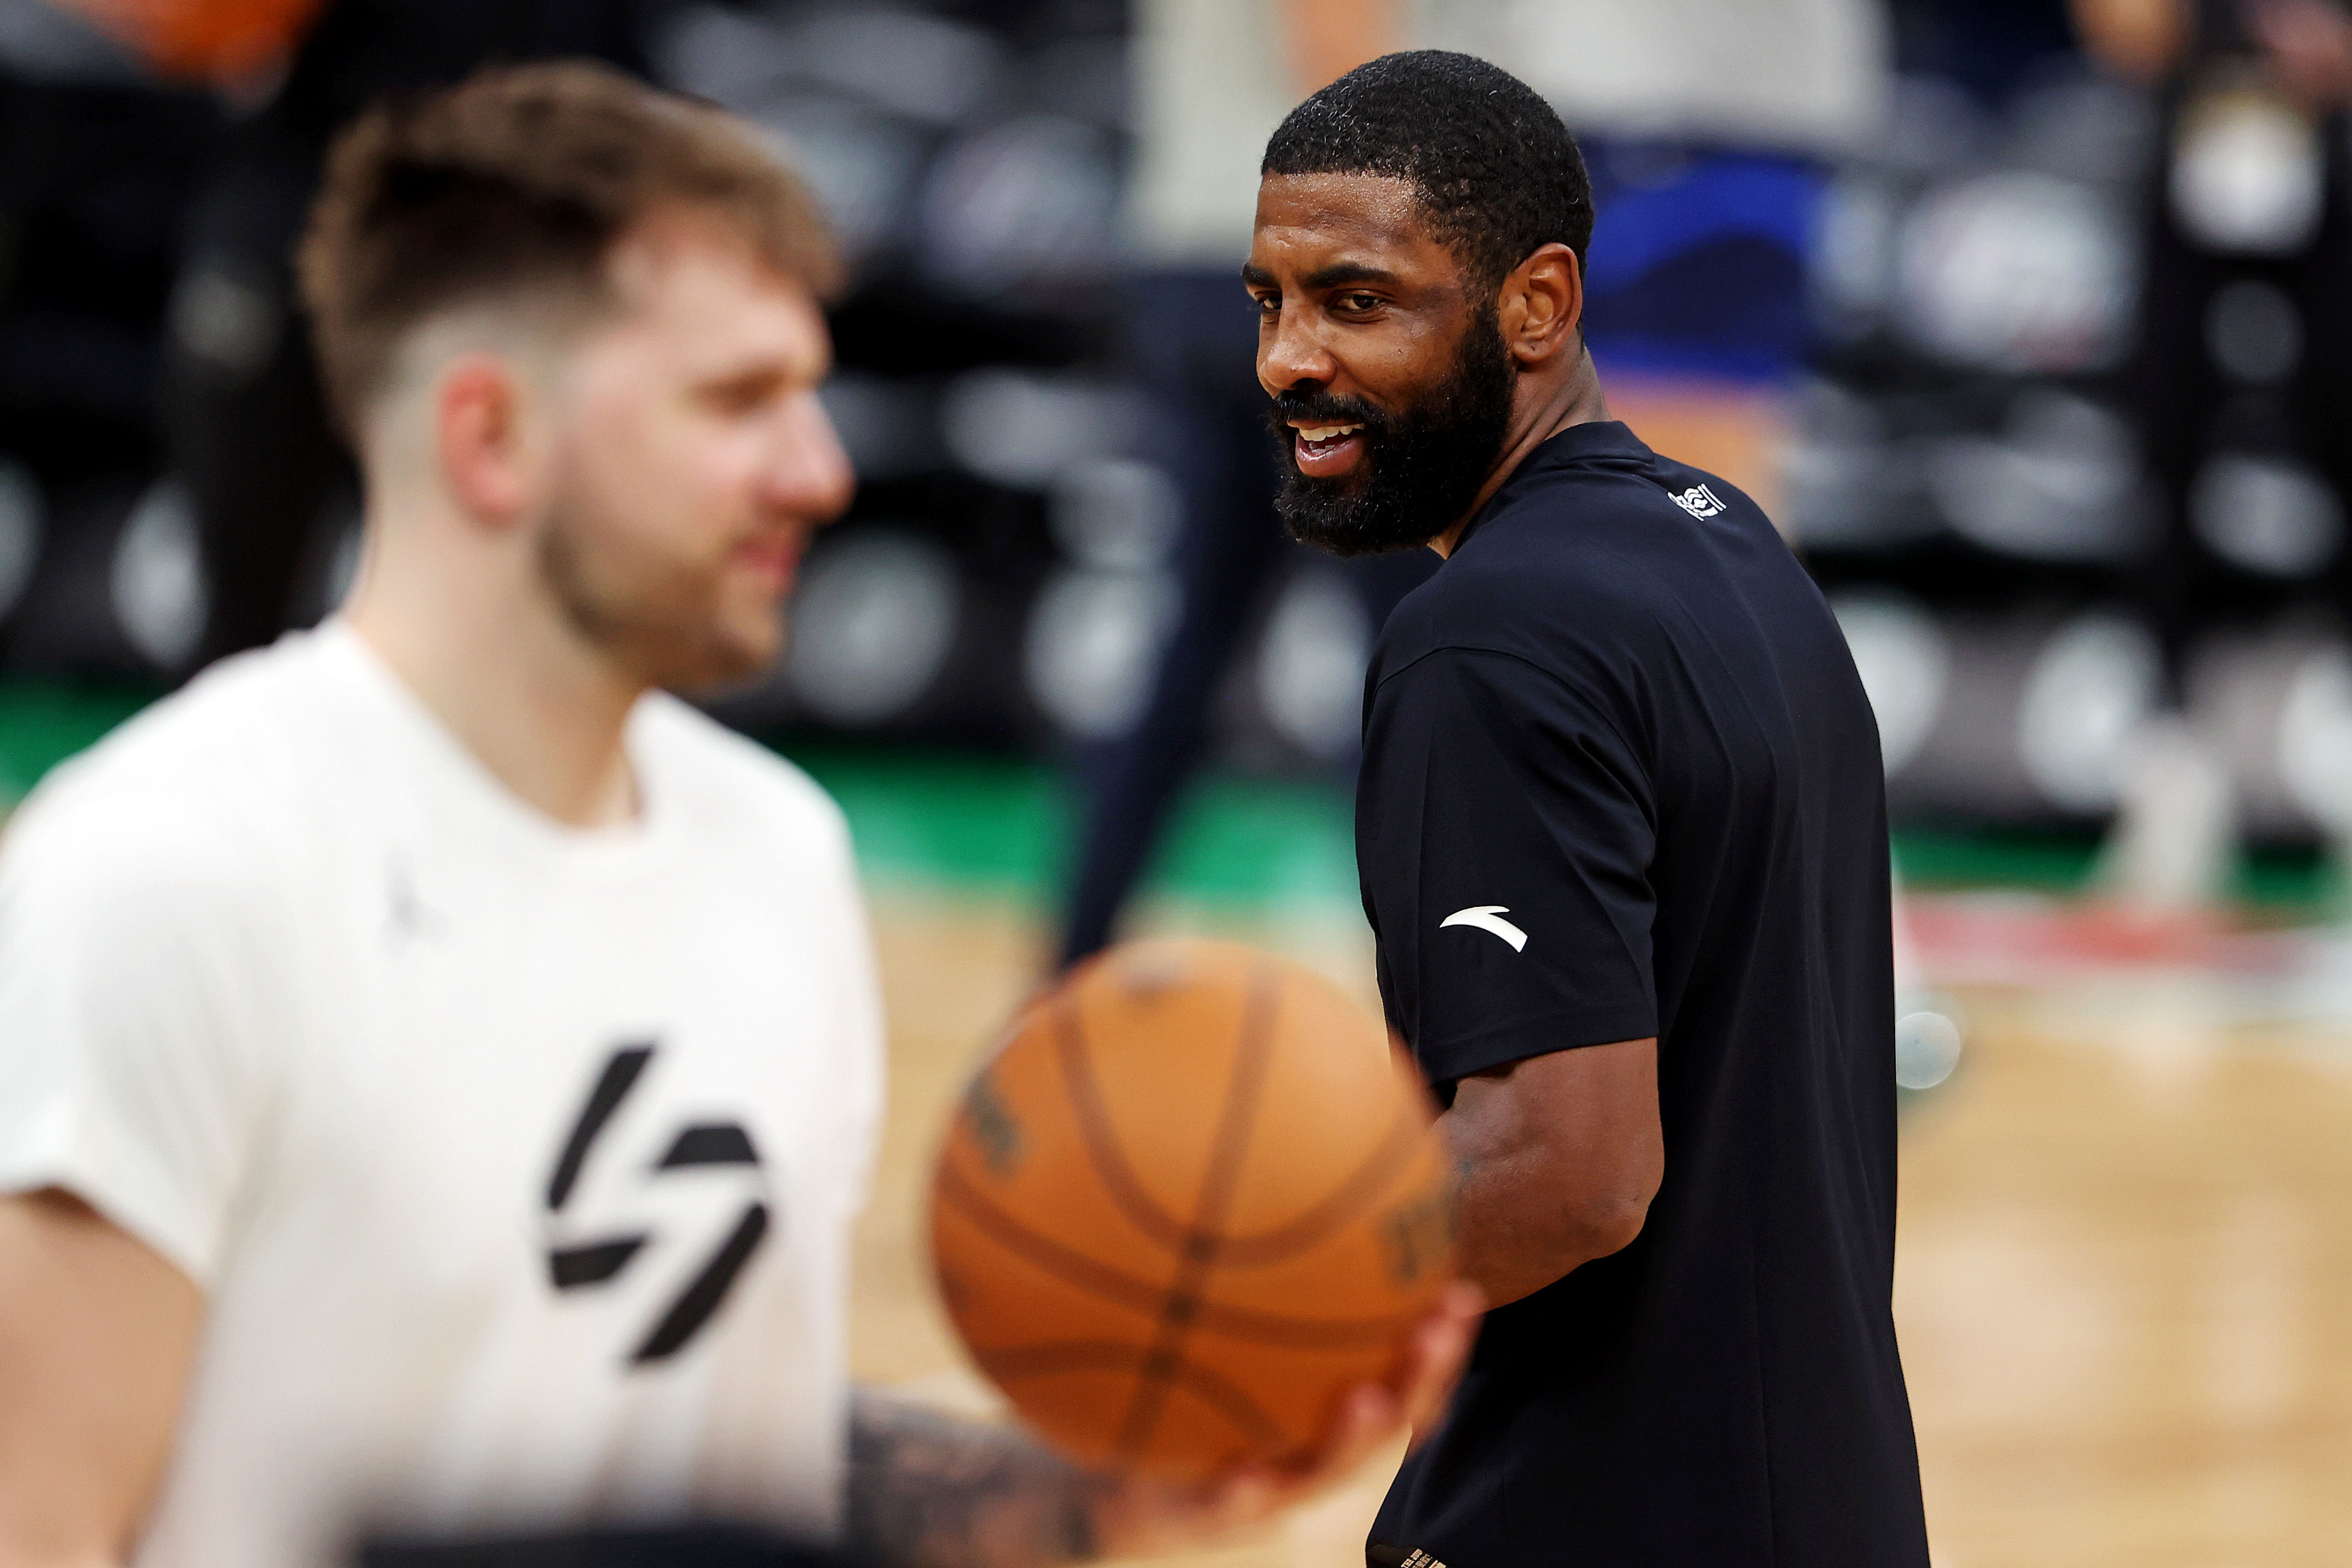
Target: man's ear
(480,431)
(1542,306)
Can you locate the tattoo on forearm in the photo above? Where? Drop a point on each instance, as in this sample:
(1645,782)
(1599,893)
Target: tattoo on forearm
(928,1490)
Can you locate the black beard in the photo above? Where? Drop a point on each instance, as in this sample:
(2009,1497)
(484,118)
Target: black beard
(1421,469)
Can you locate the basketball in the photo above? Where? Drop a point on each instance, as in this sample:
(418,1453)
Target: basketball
(1193,1199)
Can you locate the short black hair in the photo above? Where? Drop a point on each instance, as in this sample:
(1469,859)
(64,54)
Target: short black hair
(1498,173)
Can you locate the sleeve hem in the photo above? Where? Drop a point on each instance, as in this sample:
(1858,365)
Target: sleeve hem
(1445,1061)
(150,1223)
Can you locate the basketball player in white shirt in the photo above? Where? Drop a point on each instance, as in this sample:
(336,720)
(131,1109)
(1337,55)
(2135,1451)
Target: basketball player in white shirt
(437,1068)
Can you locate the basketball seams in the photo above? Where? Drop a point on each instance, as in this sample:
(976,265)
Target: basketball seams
(1095,1130)
(1119,1289)
(1286,1240)
(1057,1357)
(1237,1120)
(1071,1267)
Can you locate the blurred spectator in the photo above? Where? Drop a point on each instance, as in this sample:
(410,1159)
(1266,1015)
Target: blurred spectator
(248,429)
(2241,391)
(1989,47)
(230,42)
(1214,77)
(1705,124)
(202,121)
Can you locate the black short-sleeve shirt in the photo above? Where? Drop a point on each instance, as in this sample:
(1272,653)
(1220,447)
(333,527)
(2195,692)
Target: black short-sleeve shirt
(1619,780)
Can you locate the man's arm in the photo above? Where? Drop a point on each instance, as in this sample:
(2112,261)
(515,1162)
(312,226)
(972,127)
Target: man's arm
(928,1491)
(97,1333)
(1558,1156)
(926,1487)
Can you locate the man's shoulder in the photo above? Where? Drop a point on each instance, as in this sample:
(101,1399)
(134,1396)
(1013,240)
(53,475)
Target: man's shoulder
(1613,548)
(1540,589)
(176,809)
(731,784)
(230,750)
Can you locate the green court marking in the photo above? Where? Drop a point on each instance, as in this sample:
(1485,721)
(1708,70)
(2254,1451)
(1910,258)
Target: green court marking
(1929,859)
(2292,882)
(968,822)
(1002,826)
(1260,842)
(43,723)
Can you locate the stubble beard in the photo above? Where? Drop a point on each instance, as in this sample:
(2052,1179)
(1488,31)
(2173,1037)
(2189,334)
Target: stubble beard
(664,628)
(1422,467)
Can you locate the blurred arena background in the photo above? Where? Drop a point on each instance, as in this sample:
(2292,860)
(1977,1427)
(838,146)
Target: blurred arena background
(2027,323)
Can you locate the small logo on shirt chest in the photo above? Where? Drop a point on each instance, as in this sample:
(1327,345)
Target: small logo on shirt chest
(412,918)
(1698,501)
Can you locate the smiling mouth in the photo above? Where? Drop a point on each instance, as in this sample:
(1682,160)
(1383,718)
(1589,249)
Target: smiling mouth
(775,560)
(1323,439)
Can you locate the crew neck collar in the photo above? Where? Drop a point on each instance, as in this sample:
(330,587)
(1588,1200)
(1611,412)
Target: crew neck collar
(462,777)
(1592,438)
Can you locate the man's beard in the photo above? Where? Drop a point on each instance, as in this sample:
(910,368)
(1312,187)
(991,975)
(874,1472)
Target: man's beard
(661,623)
(1421,467)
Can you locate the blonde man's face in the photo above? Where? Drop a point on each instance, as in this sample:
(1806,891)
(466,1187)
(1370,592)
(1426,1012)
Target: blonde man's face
(691,458)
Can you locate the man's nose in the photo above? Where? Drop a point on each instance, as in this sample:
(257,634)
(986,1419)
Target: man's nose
(809,475)
(1290,356)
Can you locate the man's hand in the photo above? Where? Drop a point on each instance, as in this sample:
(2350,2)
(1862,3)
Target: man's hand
(1140,1516)
(1559,1157)
(97,1331)
(927,1491)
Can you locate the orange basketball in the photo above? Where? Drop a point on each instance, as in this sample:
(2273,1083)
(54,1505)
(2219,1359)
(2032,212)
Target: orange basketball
(1194,1199)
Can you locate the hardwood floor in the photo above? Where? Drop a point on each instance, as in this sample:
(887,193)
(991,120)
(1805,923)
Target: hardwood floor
(2124,1277)
(2125,1285)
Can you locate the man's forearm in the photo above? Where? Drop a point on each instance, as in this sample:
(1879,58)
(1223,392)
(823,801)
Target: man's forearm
(1558,1156)
(928,1490)
(1516,1232)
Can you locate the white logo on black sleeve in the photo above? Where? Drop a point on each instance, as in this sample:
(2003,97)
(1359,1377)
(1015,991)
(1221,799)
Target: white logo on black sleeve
(586,1250)
(1488,917)
(1698,501)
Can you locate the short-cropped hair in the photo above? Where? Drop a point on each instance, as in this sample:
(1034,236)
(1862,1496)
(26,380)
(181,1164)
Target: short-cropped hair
(1497,173)
(513,187)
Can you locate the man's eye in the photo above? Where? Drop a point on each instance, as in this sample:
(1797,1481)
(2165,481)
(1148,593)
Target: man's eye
(742,397)
(1362,302)
(1269,304)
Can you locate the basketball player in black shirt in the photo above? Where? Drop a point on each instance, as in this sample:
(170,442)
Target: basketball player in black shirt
(1623,841)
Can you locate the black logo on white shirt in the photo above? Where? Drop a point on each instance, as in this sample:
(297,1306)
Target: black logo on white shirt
(578,1265)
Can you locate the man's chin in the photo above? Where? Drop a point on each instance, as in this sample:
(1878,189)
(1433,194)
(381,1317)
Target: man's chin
(1341,516)
(722,656)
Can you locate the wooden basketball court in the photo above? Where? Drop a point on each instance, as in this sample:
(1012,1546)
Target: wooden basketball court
(2124,1269)
(2124,1286)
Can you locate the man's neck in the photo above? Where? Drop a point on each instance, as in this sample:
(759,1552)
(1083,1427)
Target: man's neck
(1575,399)
(540,707)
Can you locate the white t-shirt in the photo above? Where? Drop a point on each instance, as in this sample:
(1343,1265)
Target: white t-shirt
(516,1162)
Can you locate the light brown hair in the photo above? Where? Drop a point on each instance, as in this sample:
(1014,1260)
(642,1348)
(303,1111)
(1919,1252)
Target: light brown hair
(514,185)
